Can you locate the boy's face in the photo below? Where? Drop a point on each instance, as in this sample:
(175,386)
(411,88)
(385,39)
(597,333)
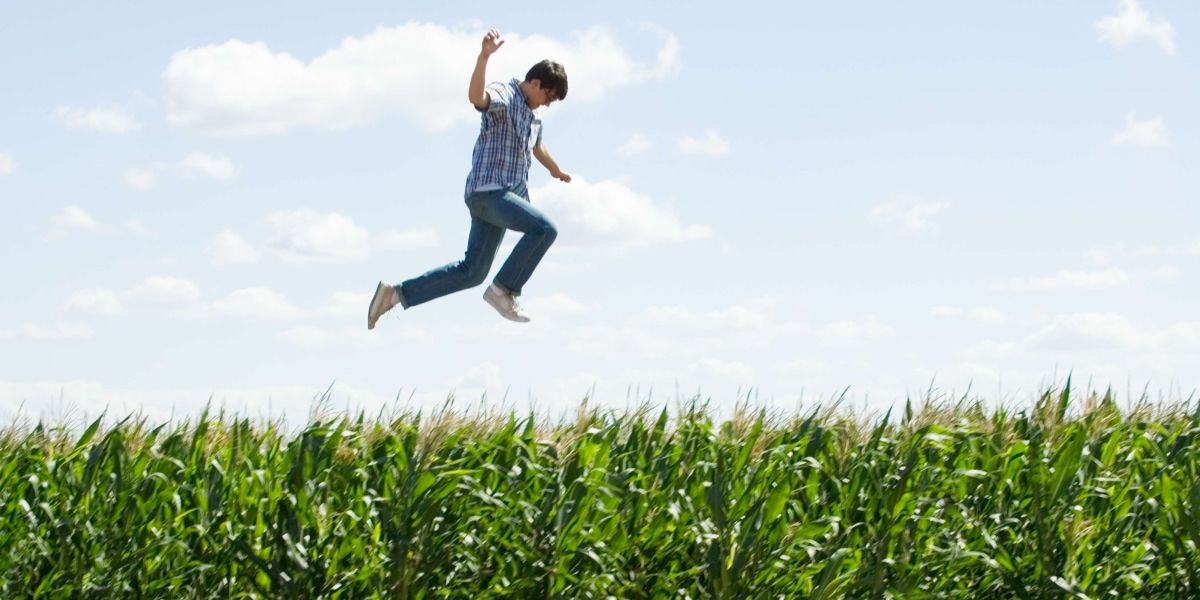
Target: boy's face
(539,96)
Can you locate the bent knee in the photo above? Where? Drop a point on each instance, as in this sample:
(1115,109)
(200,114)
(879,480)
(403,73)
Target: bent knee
(549,231)
(475,277)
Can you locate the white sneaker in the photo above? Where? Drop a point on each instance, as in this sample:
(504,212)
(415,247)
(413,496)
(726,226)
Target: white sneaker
(505,304)
(384,300)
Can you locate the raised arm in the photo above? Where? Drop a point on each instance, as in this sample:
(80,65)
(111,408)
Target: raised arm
(542,153)
(477,93)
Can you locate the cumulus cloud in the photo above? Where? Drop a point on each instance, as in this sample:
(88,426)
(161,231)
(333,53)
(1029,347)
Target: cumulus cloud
(711,144)
(610,215)
(75,218)
(425,237)
(309,237)
(311,337)
(111,119)
(1133,23)
(754,314)
(852,331)
(140,178)
(345,304)
(208,165)
(315,338)
(913,214)
(256,303)
(230,249)
(636,144)
(1106,330)
(412,70)
(99,302)
(170,290)
(988,315)
(1068,279)
(1151,133)
(105,302)
(731,370)
(556,304)
(8,166)
(192,166)
(485,375)
(59,330)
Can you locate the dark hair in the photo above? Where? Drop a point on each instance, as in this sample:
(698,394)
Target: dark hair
(552,76)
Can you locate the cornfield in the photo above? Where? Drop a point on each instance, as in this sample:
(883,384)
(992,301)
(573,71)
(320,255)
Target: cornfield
(1071,496)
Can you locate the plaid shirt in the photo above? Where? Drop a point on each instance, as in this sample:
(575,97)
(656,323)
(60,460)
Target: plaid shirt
(508,131)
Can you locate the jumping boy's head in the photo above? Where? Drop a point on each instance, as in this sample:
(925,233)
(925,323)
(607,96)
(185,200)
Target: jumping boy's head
(546,82)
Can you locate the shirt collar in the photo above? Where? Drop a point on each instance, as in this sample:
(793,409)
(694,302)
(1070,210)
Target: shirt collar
(517,93)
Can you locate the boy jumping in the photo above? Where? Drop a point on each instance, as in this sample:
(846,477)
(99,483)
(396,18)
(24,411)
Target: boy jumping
(496,193)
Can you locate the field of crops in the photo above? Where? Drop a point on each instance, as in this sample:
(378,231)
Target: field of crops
(1070,498)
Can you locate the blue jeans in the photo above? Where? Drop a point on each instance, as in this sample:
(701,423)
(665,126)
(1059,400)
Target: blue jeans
(492,212)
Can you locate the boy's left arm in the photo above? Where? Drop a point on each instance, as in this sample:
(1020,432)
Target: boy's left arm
(541,153)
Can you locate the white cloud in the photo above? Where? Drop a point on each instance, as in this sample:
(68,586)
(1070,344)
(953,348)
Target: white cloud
(1068,279)
(1121,251)
(555,304)
(624,342)
(913,214)
(636,144)
(344,305)
(314,338)
(1096,331)
(754,315)
(8,166)
(1141,134)
(140,178)
(610,215)
(310,337)
(987,315)
(851,331)
(170,290)
(99,302)
(1133,23)
(112,119)
(85,400)
(485,375)
(230,249)
(403,240)
(73,218)
(712,144)
(1167,272)
(731,370)
(414,70)
(308,237)
(805,367)
(136,226)
(208,165)
(257,303)
(58,331)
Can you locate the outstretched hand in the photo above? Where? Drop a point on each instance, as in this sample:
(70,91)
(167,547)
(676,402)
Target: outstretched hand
(491,43)
(564,177)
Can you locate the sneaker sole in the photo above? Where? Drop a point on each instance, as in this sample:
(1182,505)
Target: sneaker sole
(372,318)
(500,309)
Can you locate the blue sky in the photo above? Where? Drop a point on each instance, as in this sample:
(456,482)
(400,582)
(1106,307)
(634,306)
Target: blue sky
(795,199)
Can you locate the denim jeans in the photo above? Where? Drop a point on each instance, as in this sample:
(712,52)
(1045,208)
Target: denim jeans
(492,212)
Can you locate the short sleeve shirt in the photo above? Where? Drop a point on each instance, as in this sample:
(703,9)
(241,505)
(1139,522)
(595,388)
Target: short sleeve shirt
(508,132)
